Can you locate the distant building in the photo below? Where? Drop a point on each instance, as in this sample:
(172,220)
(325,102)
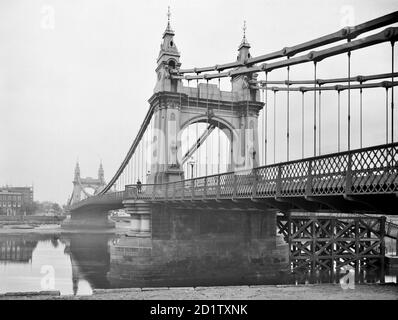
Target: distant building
(16,200)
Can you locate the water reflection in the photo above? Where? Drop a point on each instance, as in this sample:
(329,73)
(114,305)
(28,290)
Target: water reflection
(206,261)
(89,257)
(16,249)
(34,262)
(82,262)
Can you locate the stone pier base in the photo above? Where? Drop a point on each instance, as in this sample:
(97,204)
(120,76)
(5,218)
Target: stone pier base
(91,220)
(141,218)
(198,248)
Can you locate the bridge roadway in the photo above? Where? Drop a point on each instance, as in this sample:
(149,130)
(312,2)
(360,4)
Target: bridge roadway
(363,180)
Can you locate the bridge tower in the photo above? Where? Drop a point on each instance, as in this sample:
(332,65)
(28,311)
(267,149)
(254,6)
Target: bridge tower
(76,194)
(166,113)
(81,184)
(96,217)
(177,106)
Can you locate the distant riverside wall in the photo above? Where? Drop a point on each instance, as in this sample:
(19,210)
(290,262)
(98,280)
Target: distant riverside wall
(31,219)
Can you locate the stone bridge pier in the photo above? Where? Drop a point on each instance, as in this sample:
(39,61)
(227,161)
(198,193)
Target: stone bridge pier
(193,247)
(141,217)
(89,218)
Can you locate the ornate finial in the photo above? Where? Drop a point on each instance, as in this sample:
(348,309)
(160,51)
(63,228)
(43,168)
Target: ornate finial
(168,17)
(244,31)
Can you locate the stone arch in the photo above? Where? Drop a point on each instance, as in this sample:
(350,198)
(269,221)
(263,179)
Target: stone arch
(220,123)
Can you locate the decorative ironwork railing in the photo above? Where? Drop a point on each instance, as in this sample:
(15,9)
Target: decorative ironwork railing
(371,170)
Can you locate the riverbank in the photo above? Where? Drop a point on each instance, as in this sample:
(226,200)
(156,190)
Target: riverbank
(31,219)
(122,227)
(267,292)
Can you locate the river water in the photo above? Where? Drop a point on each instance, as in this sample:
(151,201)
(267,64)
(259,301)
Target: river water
(78,263)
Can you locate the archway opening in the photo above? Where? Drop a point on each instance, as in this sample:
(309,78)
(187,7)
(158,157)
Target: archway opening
(89,191)
(205,149)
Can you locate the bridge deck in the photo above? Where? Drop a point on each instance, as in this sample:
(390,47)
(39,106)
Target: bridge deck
(358,174)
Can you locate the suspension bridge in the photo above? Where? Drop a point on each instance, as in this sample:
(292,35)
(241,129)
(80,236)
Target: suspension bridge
(214,147)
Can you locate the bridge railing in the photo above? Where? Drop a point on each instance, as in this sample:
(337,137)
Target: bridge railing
(363,171)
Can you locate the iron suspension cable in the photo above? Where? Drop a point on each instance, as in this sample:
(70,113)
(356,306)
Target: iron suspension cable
(231,151)
(175,129)
(274,126)
(207,120)
(287,113)
(247,127)
(349,100)
(358,78)
(138,160)
(144,148)
(392,91)
(386,115)
(382,84)
(360,117)
(142,158)
(139,155)
(197,131)
(266,120)
(302,124)
(314,108)
(135,167)
(314,43)
(262,98)
(130,172)
(188,143)
(218,124)
(338,120)
(319,122)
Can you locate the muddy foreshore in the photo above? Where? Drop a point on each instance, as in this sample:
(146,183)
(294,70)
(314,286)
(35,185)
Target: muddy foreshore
(267,292)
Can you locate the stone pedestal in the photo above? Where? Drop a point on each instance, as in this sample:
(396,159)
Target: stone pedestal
(140,212)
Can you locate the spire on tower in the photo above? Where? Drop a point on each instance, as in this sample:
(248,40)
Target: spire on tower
(168,28)
(168,59)
(168,18)
(244,40)
(77,171)
(244,32)
(244,47)
(101,172)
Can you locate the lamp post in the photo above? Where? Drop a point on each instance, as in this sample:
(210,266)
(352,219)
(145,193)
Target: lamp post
(191,162)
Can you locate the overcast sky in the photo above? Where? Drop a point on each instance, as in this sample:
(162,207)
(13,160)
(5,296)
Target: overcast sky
(75,75)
